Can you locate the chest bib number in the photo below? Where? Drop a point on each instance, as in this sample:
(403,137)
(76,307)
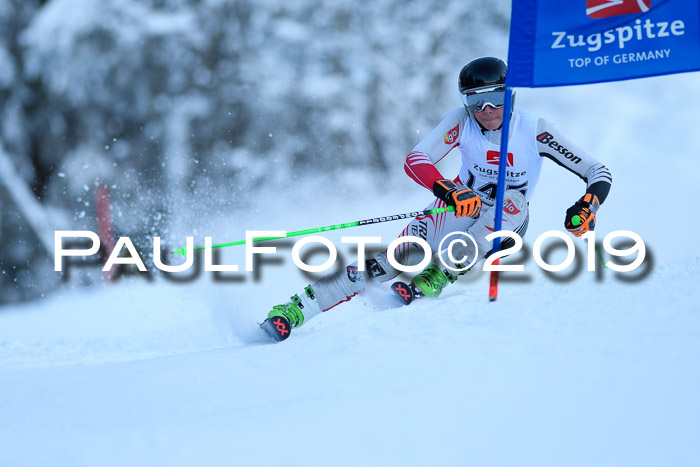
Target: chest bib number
(489,189)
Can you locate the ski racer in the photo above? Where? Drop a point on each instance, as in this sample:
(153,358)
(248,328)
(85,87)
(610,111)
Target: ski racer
(475,129)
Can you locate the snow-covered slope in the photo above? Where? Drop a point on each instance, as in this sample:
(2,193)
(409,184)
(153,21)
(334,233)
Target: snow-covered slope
(551,374)
(554,373)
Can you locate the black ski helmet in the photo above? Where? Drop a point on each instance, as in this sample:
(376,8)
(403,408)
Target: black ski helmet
(483,71)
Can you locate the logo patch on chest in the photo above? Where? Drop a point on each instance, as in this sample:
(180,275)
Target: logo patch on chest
(494,157)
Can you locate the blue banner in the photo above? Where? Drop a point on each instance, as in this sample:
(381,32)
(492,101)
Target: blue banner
(564,42)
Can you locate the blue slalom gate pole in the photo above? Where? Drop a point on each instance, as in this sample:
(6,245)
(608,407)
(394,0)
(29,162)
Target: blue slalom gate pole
(501,188)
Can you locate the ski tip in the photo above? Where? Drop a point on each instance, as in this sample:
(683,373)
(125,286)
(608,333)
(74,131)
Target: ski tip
(402,292)
(277,328)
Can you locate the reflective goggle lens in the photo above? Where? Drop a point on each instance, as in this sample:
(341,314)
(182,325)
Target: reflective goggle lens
(477,99)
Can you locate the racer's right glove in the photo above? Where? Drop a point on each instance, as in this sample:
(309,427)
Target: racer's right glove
(580,218)
(465,201)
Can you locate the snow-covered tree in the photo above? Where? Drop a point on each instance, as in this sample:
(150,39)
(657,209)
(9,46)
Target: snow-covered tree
(170,101)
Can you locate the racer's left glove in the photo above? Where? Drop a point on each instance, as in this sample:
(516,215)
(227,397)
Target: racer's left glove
(580,218)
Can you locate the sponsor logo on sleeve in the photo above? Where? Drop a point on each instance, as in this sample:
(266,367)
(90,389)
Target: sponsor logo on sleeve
(452,135)
(548,139)
(608,8)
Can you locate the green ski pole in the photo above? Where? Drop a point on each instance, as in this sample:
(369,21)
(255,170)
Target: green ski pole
(576,221)
(375,220)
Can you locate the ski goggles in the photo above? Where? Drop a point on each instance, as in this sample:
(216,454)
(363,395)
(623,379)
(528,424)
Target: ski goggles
(476,100)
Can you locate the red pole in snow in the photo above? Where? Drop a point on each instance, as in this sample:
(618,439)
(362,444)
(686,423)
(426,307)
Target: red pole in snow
(105,228)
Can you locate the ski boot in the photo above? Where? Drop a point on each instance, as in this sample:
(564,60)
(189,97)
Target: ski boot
(283,318)
(428,283)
